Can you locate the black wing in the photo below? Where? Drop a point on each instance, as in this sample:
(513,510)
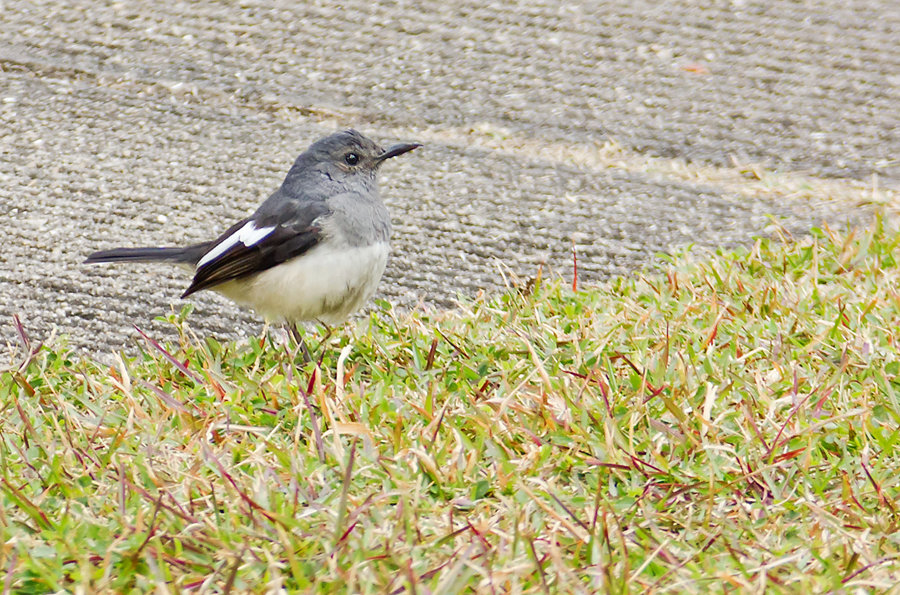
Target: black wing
(295,231)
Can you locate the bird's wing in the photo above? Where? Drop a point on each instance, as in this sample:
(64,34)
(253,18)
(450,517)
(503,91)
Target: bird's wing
(268,238)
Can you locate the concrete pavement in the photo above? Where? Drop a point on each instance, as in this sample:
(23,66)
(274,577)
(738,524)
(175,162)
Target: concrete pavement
(630,127)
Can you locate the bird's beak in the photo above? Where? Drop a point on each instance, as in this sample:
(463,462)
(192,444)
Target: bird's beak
(397,150)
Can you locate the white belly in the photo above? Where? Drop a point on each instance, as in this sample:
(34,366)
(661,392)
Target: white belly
(323,284)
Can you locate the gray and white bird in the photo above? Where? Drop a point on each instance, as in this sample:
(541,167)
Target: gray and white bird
(315,250)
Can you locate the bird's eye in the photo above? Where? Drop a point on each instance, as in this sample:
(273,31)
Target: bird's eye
(351,158)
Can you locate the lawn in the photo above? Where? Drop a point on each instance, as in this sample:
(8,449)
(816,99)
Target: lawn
(723,422)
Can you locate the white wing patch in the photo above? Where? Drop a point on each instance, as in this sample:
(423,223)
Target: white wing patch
(248,235)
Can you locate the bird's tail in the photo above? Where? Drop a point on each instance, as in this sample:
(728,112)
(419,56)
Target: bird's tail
(189,255)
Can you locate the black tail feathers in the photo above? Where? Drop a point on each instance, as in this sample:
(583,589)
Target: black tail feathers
(188,255)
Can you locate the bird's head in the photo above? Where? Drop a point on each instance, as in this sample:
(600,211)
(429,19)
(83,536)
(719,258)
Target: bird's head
(344,158)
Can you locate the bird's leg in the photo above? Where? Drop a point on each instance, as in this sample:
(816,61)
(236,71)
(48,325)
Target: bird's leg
(328,332)
(298,338)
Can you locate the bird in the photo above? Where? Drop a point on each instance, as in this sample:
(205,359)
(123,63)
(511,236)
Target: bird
(314,250)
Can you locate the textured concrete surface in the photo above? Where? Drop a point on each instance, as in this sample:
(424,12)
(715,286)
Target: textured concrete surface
(630,127)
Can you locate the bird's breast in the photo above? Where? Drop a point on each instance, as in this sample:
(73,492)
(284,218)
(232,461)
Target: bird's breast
(328,283)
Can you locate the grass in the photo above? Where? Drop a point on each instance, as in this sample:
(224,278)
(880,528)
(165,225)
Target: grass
(727,423)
